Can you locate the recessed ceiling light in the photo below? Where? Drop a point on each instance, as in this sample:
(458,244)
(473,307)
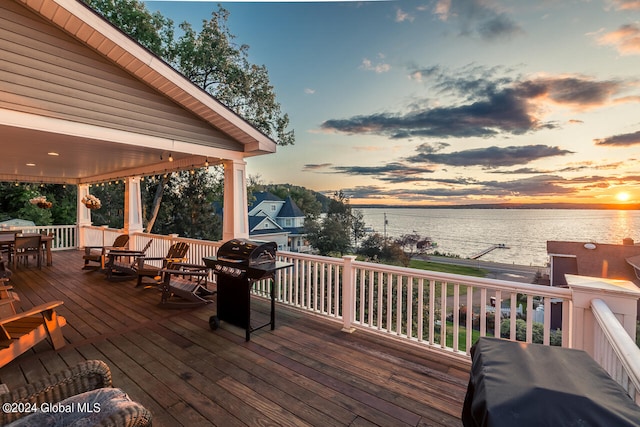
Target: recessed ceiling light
(52,153)
(31,164)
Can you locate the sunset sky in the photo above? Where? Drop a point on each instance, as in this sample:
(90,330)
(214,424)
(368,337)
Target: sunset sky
(449,101)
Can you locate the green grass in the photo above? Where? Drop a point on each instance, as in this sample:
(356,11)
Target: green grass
(448,268)
(462,336)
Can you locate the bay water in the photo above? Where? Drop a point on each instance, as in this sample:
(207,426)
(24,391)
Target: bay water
(523,232)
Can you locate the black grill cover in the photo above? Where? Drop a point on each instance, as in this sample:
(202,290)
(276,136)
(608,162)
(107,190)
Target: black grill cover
(532,385)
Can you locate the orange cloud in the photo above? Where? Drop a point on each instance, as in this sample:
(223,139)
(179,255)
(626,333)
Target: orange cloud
(625,39)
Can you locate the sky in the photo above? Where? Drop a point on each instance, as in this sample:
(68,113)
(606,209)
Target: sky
(448,102)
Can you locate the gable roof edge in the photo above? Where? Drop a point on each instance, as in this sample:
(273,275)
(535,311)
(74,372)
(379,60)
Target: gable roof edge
(87,26)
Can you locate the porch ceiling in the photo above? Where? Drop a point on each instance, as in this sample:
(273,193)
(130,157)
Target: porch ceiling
(28,156)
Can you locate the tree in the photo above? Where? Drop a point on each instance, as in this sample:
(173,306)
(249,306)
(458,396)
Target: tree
(413,244)
(188,206)
(151,30)
(211,60)
(333,233)
(14,203)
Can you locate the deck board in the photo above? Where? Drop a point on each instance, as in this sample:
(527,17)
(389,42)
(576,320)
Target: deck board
(305,372)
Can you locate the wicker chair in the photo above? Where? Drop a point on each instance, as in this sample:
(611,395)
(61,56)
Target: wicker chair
(84,377)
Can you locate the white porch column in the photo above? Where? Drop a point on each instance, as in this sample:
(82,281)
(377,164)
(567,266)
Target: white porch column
(132,208)
(235,220)
(83,214)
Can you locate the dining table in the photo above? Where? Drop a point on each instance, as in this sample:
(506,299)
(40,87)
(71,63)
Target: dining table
(9,239)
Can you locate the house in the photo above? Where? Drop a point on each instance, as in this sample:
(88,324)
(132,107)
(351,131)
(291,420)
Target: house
(609,261)
(602,260)
(281,221)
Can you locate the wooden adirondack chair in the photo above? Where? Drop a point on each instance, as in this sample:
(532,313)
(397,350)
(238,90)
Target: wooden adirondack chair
(177,253)
(122,264)
(9,299)
(185,286)
(99,253)
(21,331)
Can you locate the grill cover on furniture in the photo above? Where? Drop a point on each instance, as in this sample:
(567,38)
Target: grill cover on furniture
(238,265)
(520,384)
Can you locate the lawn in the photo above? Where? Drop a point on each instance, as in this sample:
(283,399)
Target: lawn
(448,268)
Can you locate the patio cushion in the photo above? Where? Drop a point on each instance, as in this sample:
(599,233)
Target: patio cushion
(101,407)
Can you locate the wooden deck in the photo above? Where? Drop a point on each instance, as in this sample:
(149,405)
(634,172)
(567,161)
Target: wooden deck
(306,372)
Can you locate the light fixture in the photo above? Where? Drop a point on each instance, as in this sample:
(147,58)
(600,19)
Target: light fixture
(206,162)
(53,153)
(170,157)
(590,246)
(31,164)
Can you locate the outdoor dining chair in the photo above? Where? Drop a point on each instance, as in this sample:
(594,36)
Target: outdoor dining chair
(25,247)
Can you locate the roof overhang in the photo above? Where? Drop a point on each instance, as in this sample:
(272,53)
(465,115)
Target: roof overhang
(89,153)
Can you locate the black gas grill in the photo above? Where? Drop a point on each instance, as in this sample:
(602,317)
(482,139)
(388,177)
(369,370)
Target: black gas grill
(238,265)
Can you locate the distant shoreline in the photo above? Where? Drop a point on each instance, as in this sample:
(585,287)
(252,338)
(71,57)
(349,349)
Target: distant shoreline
(585,206)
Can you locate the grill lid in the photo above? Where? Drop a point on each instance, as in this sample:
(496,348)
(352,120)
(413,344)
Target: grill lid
(244,252)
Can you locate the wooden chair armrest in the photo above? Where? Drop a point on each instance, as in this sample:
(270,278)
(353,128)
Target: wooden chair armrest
(156,258)
(5,287)
(88,249)
(190,266)
(6,301)
(184,272)
(126,252)
(35,310)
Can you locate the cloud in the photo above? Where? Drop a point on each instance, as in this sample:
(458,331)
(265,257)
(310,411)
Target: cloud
(309,91)
(483,104)
(489,157)
(477,18)
(402,16)
(622,140)
(577,92)
(625,39)
(389,169)
(626,4)
(543,185)
(379,68)
(316,166)
(499,112)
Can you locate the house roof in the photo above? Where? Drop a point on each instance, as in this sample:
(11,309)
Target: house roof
(94,153)
(603,260)
(290,209)
(263,196)
(255,221)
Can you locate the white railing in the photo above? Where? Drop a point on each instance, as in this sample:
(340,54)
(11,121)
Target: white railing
(437,310)
(100,236)
(198,249)
(64,236)
(447,311)
(614,349)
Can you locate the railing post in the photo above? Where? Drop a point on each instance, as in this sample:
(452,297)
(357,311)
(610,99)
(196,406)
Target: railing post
(620,296)
(348,294)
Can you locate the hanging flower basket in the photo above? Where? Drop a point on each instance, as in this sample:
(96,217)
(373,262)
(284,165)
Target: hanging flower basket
(41,202)
(91,202)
